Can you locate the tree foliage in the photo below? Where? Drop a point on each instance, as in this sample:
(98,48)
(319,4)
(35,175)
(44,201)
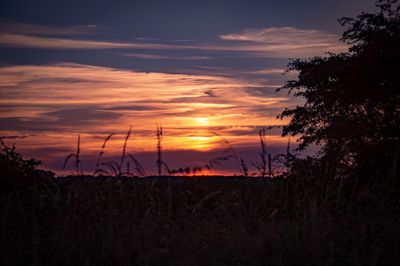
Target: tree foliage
(352,100)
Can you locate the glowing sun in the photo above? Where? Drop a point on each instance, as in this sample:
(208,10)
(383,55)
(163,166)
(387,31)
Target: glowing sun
(202,121)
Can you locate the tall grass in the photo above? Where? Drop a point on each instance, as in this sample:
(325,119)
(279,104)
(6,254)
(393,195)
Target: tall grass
(123,167)
(303,218)
(160,161)
(102,150)
(201,221)
(129,165)
(243,169)
(123,155)
(78,162)
(264,166)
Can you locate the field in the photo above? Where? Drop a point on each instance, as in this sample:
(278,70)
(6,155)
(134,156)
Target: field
(84,220)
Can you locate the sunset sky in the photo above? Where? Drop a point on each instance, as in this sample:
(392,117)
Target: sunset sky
(196,67)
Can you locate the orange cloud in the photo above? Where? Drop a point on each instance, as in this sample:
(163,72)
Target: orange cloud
(57,102)
(49,95)
(18,40)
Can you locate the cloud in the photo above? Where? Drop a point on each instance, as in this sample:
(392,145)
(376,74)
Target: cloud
(281,42)
(285,42)
(55,103)
(59,120)
(16,136)
(282,35)
(20,35)
(270,71)
(58,101)
(162,57)
(27,41)
(73,96)
(34,29)
(82,115)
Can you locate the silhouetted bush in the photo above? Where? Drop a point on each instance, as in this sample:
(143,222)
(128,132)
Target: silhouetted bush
(16,172)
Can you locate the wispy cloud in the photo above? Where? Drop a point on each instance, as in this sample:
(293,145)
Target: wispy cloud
(282,35)
(285,41)
(16,136)
(270,71)
(68,96)
(20,35)
(281,42)
(34,29)
(165,57)
(16,40)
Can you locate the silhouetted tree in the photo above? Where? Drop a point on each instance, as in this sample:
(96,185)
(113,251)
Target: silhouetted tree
(352,100)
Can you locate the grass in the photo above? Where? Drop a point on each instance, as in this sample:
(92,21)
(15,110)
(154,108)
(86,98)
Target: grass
(78,162)
(81,220)
(301,218)
(130,166)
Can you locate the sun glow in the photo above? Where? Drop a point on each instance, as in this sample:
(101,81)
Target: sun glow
(200,142)
(203,121)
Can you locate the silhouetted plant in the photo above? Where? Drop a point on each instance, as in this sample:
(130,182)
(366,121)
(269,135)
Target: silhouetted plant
(352,99)
(76,155)
(160,162)
(243,166)
(102,150)
(244,170)
(198,169)
(137,166)
(124,147)
(264,166)
(116,169)
(18,172)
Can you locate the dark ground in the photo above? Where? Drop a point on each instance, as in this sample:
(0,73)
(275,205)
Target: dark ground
(199,221)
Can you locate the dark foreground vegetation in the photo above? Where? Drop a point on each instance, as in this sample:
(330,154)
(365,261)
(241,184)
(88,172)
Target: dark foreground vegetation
(303,219)
(340,207)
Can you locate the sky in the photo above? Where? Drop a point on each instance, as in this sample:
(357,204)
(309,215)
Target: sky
(207,71)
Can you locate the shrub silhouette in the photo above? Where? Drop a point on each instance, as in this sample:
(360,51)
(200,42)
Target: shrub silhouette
(17,172)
